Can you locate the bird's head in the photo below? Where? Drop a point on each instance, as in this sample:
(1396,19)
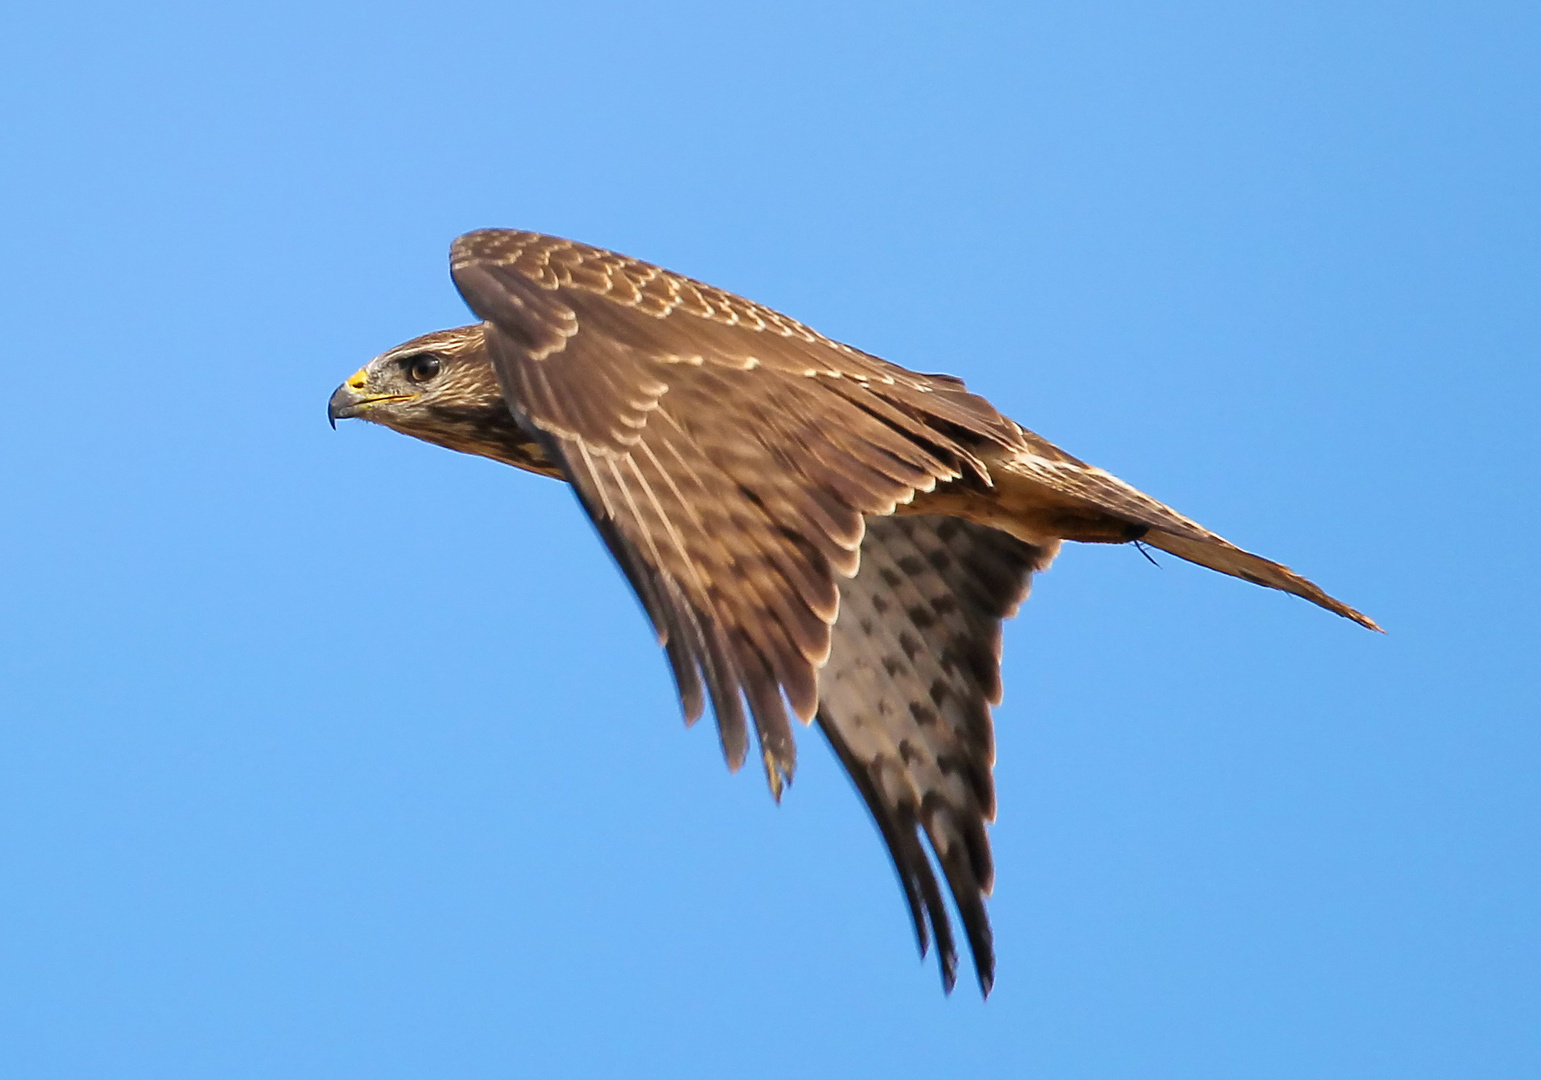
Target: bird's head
(440,388)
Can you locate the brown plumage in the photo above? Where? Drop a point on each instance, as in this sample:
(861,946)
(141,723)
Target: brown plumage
(807,526)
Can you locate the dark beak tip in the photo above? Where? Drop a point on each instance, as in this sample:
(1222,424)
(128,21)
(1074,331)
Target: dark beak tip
(338,407)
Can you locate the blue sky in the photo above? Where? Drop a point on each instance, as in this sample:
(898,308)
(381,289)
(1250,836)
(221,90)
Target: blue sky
(335,754)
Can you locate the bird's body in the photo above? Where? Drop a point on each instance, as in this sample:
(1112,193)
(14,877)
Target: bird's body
(806,525)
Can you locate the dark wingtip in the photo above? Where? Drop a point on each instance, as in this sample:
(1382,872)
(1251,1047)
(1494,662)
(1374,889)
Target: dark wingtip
(986,981)
(778,775)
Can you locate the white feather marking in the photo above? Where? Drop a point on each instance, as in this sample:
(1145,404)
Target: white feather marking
(679,542)
(636,515)
(588,463)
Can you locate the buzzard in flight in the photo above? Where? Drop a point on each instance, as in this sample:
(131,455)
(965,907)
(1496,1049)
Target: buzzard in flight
(810,528)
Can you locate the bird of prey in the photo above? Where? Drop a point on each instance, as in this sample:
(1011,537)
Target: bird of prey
(810,529)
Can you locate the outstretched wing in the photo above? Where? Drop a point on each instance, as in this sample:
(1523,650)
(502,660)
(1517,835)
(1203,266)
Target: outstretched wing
(905,701)
(727,455)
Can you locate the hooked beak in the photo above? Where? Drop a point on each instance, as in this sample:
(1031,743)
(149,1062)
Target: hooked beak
(345,403)
(350,400)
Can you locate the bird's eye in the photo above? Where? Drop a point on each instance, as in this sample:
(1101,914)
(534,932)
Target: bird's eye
(422,368)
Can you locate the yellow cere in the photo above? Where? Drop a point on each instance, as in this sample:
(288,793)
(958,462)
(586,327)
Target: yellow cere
(358,380)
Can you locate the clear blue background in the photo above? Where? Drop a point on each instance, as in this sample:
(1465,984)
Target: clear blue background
(334,754)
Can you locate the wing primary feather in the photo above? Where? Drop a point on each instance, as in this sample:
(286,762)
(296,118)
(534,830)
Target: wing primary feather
(625,489)
(883,818)
(969,897)
(663,611)
(777,747)
(917,879)
(722,683)
(687,679)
